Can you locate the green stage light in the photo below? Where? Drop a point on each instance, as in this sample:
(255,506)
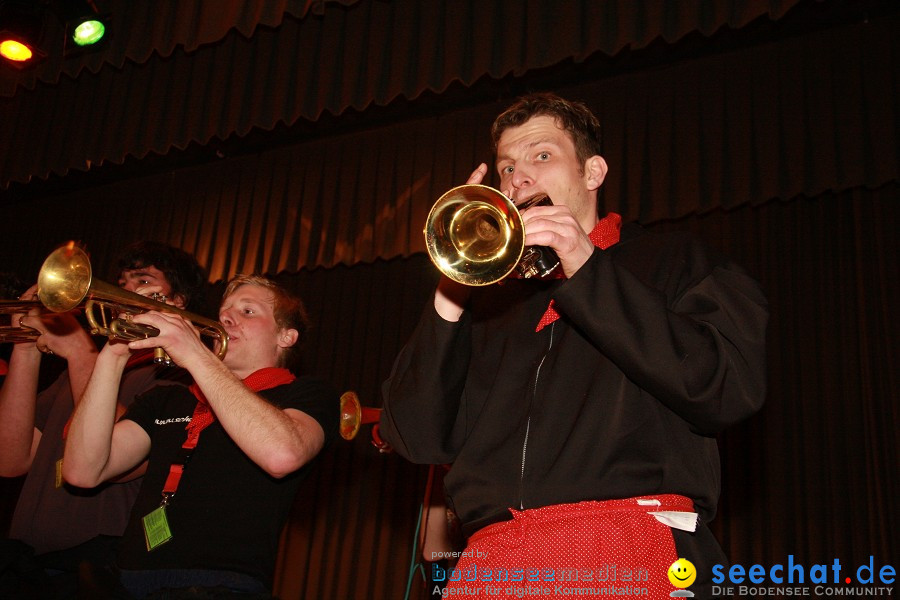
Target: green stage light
(88,32)
(87,29)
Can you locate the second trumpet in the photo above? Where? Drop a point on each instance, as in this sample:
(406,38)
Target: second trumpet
(66,280)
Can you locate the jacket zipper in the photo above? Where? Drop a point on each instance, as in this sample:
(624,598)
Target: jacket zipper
(537,375)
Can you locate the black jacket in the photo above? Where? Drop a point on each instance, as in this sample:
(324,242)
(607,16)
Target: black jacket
(661,344)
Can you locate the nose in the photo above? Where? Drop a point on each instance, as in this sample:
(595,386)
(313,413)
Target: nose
(521,179)
(225,318)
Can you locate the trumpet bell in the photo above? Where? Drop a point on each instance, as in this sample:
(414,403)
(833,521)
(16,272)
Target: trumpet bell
(64,278)
(351,415)
(354,415)
(474,235)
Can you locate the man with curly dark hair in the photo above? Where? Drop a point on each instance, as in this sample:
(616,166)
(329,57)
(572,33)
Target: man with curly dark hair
(62,525)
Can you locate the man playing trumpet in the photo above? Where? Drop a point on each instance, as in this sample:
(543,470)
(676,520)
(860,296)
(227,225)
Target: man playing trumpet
(225,457)
(65,525)
(580,411)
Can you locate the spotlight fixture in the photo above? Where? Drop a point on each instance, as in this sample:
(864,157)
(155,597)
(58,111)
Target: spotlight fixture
(88,32)
(21,30)
(85,27)
(14,50)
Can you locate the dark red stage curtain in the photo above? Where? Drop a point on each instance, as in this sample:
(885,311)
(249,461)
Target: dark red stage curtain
(164,85)
(796,117)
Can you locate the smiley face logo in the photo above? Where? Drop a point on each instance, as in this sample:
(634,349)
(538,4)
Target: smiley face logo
(682,573)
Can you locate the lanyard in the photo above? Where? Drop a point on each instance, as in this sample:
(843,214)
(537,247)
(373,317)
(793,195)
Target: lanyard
(201,419)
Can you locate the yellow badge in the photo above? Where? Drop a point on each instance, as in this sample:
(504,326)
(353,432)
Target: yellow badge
(156,528)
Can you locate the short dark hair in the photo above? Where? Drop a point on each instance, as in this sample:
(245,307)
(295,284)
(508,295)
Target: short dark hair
(288,310)
(574,117)
(184,274)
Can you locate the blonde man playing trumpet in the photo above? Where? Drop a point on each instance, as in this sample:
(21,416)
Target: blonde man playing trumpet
(225,457)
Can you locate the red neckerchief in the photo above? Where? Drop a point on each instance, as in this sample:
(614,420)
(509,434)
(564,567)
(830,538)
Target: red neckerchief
(203,417)
(4,368)
(604,235)
(263,379)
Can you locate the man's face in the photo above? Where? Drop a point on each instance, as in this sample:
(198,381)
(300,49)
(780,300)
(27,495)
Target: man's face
(539,157)
(255,340)
(147,281)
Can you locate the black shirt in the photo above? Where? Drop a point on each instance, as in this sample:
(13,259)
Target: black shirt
(227,513)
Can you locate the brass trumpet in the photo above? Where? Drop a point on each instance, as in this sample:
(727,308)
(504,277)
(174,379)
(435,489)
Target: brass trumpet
(354,415)
(66,280)
(474,235)
(10,334)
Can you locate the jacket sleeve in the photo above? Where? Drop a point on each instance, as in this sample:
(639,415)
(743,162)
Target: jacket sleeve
(689,330)
(422,397)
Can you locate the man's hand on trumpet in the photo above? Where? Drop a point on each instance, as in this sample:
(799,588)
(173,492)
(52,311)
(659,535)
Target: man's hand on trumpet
(17,320)
(60,333)
(177,336)
(556,227)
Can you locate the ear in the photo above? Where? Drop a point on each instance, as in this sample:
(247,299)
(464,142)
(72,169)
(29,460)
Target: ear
(179,301)
(287,338)
(595,172)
